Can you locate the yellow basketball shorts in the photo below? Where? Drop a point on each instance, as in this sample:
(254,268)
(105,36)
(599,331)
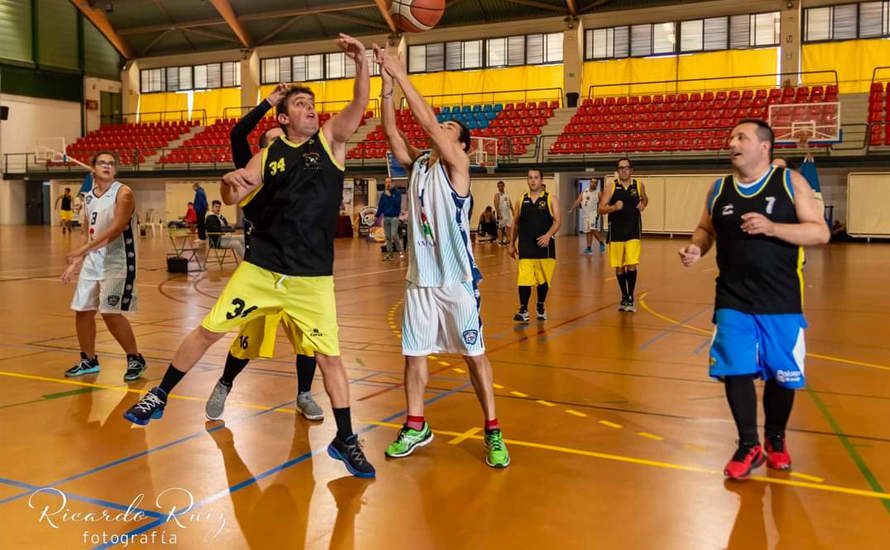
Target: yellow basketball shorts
(66,215)
(258,338)
(305,304)
(534,272)
(624,253)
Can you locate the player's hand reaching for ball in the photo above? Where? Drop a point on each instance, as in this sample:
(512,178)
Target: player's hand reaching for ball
(690,254)
(353,48)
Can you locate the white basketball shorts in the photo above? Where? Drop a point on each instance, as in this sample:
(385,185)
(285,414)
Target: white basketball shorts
(442,320)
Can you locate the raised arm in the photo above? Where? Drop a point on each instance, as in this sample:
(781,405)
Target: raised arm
(403,152)
(238,136)
(452,152)
(238,184)
(344,124)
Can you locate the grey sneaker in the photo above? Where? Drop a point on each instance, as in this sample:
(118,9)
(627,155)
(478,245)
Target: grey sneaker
(216,403)
(308,407)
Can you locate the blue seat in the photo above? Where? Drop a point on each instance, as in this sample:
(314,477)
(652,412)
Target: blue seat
(445,110)
(465,109)
(498,107)
(487,108)
(477,108)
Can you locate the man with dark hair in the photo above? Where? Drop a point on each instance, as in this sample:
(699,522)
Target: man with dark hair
(442,294)
(760,218)
(107,264)
(624,201)
(535,224)
(291,192)
(217,224)
(66,212)
(257,338)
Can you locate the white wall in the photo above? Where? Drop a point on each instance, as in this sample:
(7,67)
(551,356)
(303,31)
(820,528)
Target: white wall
(12,202)
(31,118)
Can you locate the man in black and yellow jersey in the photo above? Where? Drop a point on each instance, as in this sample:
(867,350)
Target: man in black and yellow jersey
(760,217)
(291,192)
(624,201)
(535,223)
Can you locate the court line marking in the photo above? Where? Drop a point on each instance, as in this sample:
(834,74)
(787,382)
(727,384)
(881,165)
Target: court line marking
(667,319)
(661,464)
(74,496)
(650,436)
(576,413)
(611,424)
(807,477)
(464,436)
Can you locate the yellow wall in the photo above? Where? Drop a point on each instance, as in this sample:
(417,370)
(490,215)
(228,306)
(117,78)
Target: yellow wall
(214,102)
(488,85)
(333,95)
(854,61)
(728,63)
(155,103)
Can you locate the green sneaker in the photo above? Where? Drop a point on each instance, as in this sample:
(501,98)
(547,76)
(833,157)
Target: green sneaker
(408,440)
(498,456)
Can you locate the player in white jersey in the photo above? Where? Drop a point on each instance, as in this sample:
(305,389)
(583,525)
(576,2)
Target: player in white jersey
(107,264)
(503,208)
(441,299)
(592,223)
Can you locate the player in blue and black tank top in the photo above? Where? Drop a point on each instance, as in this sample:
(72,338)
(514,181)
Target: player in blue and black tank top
(291,191)
(759,217)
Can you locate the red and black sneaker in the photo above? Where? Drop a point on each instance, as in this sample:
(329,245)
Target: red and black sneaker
(743,461)
(777,456)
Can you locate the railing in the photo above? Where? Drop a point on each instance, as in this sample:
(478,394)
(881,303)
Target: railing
(165,116)
(320,107)
(710,84)
(506,96)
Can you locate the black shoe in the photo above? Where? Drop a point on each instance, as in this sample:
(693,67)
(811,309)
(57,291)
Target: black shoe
(521,315)
(630,305)
(350,452)
(84,366)
(542,315)
(135,367)
(623,305)
(151,406)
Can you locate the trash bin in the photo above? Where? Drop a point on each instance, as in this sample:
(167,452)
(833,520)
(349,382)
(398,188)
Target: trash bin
(572,99)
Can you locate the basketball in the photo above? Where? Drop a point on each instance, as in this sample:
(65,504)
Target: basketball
(416,15)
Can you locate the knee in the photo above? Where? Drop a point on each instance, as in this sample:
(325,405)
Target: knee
(90,314)
(206,336)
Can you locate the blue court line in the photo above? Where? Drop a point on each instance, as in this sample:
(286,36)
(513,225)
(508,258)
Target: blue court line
(702,346)
(145,452)
(250,481)
(159,448)
(97,501)
(671,329)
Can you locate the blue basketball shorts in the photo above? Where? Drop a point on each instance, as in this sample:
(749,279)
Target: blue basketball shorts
(768,346)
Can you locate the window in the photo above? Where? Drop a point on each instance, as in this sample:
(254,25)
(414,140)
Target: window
(231,74)
(200,77)
(336,66)
(716,33)
(847,21)
(843,22)
(872,19)
(152,80)
(516,50)
(640,40)
(692,35)
(496,52)
(453,56)
(214,75)
(765,29)
(817,24)
(739,31)
(417,59)
(472,55)
(553,47)
(178,79)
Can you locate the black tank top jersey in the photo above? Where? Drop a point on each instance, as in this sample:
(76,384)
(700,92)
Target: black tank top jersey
(294,212)
(66,202)
(625,224)
(535,219)
(757,274)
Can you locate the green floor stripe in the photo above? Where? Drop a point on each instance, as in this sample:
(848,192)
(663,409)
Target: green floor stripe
(21,403)
(849,447)
(78,391)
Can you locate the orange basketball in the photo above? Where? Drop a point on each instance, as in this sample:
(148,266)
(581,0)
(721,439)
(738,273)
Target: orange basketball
(416,15)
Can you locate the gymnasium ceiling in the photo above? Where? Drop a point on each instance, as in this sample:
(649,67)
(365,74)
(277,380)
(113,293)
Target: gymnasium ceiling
(142,28)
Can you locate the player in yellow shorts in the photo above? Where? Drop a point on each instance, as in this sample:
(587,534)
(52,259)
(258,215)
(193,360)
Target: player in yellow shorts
(291,192)
(624,201)
(66,211)
(535,223)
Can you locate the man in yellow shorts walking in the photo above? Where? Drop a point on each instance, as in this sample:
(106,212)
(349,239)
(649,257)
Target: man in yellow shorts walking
(624,201)
(535,223)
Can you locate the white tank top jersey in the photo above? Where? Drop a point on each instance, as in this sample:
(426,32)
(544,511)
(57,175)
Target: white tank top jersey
(505,205)
(438,233)
(118,258)
(589,201)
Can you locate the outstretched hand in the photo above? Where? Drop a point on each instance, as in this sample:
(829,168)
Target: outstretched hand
(390,62)
(352,47)
(277,94)
(378,58)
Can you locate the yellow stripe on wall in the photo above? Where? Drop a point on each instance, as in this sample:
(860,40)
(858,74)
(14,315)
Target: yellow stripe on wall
(854,61)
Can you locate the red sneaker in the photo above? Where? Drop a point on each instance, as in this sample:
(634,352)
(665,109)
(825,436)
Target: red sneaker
(743,461)
(777,456)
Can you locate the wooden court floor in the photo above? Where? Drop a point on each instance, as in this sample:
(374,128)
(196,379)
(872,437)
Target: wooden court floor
(617,436)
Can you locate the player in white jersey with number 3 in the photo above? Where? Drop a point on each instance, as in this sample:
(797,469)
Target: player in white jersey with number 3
(442,299)
(107,264)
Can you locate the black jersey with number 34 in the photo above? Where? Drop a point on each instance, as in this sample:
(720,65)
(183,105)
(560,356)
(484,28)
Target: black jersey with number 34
(757,274)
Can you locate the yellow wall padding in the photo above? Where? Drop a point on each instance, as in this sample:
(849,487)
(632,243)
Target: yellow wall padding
(491,85)
(167,101)
(867,197)
(667,71)
(332,95)
(215,101)
(854,61)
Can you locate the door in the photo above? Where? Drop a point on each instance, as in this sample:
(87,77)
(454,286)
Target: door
(34,202)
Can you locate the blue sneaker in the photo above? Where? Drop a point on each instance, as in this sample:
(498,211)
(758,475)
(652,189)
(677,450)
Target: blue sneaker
(350,452)
(587,251)
(84,366)
(150,407)
(602,248)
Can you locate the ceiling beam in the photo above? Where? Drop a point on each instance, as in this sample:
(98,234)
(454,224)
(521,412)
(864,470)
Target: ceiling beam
(573,9)
(358,20)
(97,17)
(245,18)
(214,34)
(539,5)
(384,11)
(277,30)
(593,6)
(225,9)
(154,42)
